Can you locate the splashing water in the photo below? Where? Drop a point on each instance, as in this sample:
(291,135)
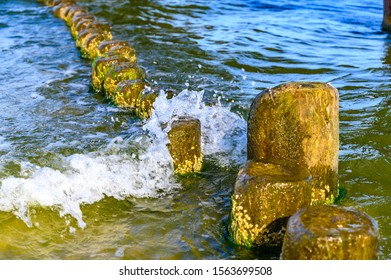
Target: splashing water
(223,132)
(88,178)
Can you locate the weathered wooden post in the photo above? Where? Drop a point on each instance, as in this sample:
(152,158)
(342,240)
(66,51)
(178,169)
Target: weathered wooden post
(326,232)
(115,47)
(48,2)
(298,124)
(72,11)
(61,7)
(89,48)
(266,195)
(386,24)
(80,22)
(145,105)
(185,145)
(100,66)
(120,72)
(128,93)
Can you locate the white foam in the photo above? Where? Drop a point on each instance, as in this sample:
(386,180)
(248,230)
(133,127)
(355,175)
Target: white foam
(37,96)
(87,179)
(146,171)
(223,132)
(4,144)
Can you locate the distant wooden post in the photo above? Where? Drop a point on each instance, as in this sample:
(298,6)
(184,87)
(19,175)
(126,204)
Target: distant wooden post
(386,25)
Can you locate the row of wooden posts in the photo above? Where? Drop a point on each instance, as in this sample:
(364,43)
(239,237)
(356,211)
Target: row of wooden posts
(116,75)
(284,194)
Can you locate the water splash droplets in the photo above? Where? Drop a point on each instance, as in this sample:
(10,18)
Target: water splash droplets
(147,171)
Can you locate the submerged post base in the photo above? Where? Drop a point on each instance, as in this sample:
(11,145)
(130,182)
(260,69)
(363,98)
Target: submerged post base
(266,195)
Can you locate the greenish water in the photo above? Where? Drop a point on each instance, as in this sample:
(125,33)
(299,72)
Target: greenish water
(82,179)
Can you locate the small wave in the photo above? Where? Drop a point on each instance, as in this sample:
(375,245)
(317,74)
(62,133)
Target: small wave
(146,171)
(223,132)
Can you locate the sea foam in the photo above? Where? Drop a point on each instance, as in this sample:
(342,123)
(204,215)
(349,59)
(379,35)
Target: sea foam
(145,172)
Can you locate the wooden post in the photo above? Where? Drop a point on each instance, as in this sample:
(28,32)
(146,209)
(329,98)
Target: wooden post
(266,195)
(120,72)
(386,25)
(297,123)
(100,66)
(185,145)
(128,93)
(326,232)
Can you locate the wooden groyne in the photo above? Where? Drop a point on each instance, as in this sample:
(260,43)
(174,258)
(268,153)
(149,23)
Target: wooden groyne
(117,75)
(283,193)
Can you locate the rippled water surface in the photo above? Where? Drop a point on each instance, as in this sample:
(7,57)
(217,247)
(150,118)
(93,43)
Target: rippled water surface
(82,179)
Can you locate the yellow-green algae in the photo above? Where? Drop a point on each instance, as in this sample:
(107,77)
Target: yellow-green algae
(79,23)
(71,11)
(99,26)
(117,47)
(145,106)
(89,48)
(298,123)
(185,145)
(128,93)
(84,34)
(126,51)
(266,194)
(60,8)
(120,72)
(89,38)
(48,2)
(100,67)
(326,232)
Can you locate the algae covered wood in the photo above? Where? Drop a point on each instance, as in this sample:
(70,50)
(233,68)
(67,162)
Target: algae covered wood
(80,22)
(83,35)
(145,105)
(266,194)
(49,2)
(90,37)
(113,47)
(100,66)
(120,72)
(129,93)
(185,145)
(61,7)
(327,232)
(89,48)
(298,123)
(72,11)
